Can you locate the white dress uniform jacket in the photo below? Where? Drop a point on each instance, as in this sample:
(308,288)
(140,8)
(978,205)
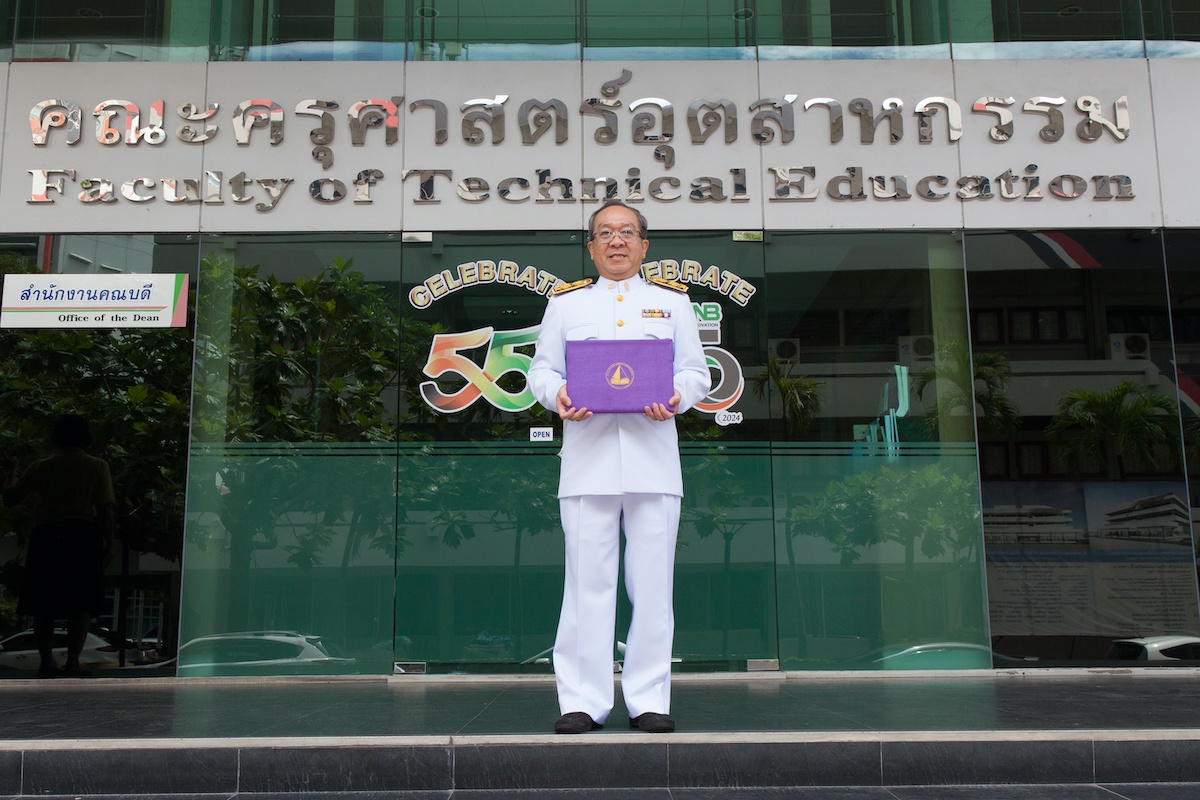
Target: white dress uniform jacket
(609,454)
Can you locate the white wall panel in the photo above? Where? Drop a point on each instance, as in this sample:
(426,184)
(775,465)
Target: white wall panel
(1177,120)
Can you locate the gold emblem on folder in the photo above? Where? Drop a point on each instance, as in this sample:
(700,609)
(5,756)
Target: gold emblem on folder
(619,375)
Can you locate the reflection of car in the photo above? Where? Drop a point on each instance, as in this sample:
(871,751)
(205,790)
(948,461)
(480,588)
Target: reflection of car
(1156,648)
(943,655)
(260,653)
(151,639)
(101,649)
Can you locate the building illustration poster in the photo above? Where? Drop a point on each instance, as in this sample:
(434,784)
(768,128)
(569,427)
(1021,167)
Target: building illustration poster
(1089,558)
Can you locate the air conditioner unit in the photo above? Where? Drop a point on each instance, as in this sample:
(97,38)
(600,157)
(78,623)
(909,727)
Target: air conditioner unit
(915,349)
(785,351)
(1128,346)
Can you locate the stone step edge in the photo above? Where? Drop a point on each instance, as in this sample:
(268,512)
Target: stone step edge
(600,739)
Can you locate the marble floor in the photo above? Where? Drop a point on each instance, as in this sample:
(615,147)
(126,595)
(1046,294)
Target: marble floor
(1058,700)
(1037,735)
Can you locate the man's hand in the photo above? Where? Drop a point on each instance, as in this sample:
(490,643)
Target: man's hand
(661,412)
(565,410)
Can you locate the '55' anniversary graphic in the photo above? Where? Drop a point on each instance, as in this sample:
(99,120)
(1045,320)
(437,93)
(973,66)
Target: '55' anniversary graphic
(447,357)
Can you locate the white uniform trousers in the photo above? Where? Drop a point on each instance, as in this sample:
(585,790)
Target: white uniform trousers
(583,649)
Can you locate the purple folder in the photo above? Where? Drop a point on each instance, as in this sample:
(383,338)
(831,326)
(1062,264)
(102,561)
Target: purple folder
(614,376)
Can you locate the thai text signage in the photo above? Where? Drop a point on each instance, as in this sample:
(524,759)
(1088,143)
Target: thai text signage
(94,301)
(482,146)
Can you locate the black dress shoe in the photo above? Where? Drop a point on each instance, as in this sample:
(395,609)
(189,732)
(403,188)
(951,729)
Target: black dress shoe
(652,723)
(575,722)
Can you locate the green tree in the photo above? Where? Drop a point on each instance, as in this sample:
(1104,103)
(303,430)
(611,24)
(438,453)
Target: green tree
(799,395)
(968,386)
(312,362)
(1119,427)
(715,497)
(932,510)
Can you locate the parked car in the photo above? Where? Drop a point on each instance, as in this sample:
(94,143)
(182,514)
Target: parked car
(260,653)
(943,655)
(1156,648)
(101,650)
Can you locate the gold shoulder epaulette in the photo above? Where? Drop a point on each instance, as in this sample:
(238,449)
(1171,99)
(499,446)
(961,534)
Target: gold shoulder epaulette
(674,286)
(569,287)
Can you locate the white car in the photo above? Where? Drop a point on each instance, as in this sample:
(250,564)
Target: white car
(1156,648)
(260,653)
(101,650)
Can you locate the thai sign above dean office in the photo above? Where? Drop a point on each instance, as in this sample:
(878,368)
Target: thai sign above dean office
(94,301)
(389,146)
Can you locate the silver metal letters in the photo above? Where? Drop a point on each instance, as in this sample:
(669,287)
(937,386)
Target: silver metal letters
(704,126)
(651,122)
(483,110)
(321,136)
(192,113)
(55,114)
(774,110)
(925,111)
(379,113)
(251,114)
(532,128)
(861,107)
(1002,131)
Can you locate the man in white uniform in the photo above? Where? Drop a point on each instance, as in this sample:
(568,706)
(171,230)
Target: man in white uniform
(619,471)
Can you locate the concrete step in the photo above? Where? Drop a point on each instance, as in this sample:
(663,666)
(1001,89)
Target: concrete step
(603,760)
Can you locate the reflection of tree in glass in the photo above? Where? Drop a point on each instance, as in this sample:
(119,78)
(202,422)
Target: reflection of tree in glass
(315,361)
(714,495)
(1118,427)
(930,510)
(306,362)
(799,395)
(1191,441)
(968,386)
(524,502)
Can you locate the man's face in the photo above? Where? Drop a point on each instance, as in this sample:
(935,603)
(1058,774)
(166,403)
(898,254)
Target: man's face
(618,258)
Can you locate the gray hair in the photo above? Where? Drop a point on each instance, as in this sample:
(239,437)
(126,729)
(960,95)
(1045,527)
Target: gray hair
(611,203)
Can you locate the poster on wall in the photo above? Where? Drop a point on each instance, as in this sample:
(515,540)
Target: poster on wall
(94,301)
(1089,559)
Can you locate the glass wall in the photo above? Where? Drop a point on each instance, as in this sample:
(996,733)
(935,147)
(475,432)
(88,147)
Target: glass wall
(878,542)
(812,29)
(479,564)
(364,486)
(490,30)
(300,516)
(1172,27)
(115,30)
(133,386)
(1085,510)
(291,541)
(1042,29)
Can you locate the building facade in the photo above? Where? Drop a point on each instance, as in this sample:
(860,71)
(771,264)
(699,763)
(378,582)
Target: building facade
(942,255)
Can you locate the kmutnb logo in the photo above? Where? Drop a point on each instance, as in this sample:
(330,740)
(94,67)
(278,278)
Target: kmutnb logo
(729,383)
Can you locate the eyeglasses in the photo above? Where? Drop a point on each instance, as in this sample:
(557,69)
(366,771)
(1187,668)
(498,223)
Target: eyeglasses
(626,234)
